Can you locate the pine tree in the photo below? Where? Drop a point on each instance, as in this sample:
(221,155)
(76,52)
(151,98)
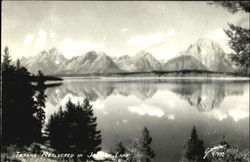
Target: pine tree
(239,42)
(194,148)
(139,148)
(233,6)
(145,142)
(40,97)
(118,149)
(239,37)
(74,130)
(6,59)
(18,64)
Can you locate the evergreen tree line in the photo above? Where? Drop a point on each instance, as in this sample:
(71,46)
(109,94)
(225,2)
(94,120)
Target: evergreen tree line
(23,104)
(73,130)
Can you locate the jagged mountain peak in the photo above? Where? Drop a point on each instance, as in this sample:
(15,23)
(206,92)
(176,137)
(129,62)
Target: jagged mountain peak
(124,57)
(210,54)
(208,42)
(206,45)
(142,53)
(90,55)
(52,50)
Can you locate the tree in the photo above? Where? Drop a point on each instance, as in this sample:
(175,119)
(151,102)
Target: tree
(40,98)
(139,149)
(74,130)
(18,64)
(18,104)
(233,6)
(6,59)
(194,148)
(145,142)
(239,37)
(239,43)
(118,149)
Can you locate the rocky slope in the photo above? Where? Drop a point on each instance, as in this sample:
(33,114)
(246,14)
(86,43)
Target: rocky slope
(91,62)
(183,62)
(210,54)
(46,61)
(141,62)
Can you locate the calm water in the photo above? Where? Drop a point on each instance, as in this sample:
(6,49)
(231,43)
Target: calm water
(168,108)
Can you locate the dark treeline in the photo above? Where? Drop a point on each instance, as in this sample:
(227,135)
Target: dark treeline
(34,78)
(23,117)
(159,74)
(74,130)
(22,105)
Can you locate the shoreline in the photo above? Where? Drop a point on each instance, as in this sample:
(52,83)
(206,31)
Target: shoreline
(139,78)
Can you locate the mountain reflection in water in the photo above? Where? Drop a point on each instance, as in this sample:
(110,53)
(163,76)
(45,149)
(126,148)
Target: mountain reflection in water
(203,95)
(168,108)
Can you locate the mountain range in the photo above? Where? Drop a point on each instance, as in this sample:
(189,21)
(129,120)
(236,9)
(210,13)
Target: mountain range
(202,55)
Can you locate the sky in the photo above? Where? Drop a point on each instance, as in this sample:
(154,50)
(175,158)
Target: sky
(163,28)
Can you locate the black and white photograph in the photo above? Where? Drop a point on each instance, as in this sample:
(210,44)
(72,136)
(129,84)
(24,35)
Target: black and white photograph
(125,81)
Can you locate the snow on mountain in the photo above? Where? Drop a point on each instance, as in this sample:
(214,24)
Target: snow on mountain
(46,61)
(210,54)
(141,62)
(104,64)
(91,62)
(126,63)
(202,55)
(78,64)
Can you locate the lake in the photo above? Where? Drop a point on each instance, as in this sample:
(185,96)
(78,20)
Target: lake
(169,108)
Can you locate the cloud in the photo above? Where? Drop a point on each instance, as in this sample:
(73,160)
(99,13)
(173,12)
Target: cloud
(124,29)
(28,39)
(41,40)
(146,110)
(171,33)
(219,114)
(168,51)
(219,36)
(69,47)
(52,35)
(238,114)
(171,103)
(171,117)
(98,105)
(147,40)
